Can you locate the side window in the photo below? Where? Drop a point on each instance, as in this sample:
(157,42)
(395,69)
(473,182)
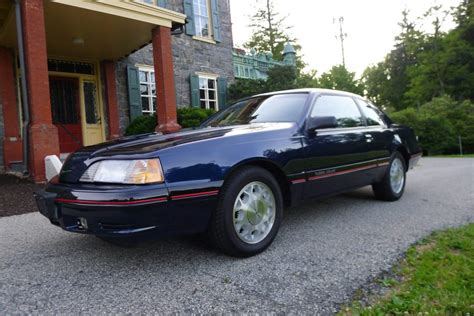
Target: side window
(343,108)
(202,19)
(371,115)
(208,91)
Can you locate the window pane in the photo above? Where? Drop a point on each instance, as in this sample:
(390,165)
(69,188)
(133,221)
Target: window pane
(144,89)
(154,105)
(211,83)
(203,104)
(212,105)
(343,108)
(152,77)
(90,100)
(145,104)
(276,108)
(202,83)
(212,94)
(202,94)
(153,90)
(143,76)
(372,117)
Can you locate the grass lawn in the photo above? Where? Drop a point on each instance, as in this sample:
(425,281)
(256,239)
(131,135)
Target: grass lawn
(436,277)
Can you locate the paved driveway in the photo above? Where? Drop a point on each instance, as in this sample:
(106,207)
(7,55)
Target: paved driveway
(324,251)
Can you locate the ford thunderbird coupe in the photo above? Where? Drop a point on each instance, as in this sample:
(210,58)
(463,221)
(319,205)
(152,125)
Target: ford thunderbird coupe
(233,176)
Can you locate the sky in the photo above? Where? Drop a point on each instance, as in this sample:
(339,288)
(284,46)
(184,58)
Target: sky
(371,26)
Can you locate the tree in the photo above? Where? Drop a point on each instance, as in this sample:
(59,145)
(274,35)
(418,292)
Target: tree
(270,33)
(439,123)
(427,78)
(281,78)
(307,80)
(242,88)
(376,83)
(339,78)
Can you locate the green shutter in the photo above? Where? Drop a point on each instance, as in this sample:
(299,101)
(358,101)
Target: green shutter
(162,3)
(222,92)
(189,11)
(216,21)
(134,98)
(194,81)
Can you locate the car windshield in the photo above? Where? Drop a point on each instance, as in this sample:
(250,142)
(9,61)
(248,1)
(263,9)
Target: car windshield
(262,109)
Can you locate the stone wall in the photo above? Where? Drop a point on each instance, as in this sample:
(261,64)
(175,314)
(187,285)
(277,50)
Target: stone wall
(189,56)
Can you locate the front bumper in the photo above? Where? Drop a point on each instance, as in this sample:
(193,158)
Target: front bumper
(126,212)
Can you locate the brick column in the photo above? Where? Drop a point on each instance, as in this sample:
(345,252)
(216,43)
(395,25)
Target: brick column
(43,134)
(111,98)
(12,143)
(164,78)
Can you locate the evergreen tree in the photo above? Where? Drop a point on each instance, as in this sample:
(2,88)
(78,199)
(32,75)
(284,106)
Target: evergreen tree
(270,33)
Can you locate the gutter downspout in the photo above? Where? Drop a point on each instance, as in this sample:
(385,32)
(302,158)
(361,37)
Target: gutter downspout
(24,87)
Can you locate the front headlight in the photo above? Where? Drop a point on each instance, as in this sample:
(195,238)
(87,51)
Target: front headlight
(125,172)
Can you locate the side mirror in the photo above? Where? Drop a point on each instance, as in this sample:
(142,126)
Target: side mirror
(320,122)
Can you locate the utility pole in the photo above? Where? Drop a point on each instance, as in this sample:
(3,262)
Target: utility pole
(342,36)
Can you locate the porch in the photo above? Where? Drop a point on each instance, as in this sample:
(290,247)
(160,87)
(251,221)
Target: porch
(64,63)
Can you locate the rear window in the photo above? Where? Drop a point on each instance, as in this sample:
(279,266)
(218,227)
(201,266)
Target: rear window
(275,108)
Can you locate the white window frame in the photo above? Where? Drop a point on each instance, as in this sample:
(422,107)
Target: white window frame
(153,2)
(206,89)
(197,19)
(150,84)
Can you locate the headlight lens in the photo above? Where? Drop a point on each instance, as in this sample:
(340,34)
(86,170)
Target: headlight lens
(125,172)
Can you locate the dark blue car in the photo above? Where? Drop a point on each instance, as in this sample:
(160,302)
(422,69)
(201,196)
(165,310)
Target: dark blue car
(233,176)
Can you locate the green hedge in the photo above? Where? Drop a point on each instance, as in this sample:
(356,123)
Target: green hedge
(193,117)
(141,125)
(187,117)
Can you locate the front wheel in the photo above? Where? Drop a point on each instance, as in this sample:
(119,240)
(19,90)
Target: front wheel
(249,213)
(392,186)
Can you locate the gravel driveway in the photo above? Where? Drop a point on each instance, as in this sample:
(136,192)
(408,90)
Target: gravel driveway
(325,251)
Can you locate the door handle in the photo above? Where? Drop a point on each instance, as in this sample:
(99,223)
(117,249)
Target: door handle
(369,138)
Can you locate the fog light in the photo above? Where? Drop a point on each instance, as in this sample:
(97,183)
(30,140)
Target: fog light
(82,223)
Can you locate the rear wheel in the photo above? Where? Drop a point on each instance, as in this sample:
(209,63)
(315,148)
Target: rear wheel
(249,213)
(392,186)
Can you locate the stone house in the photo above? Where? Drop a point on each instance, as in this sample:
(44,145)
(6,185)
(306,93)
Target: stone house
(75,72)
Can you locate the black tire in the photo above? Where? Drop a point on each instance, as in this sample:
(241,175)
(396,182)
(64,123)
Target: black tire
(221,231)
(384,190)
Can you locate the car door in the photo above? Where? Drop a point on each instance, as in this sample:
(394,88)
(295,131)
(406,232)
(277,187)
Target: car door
(377,136)
(336,157)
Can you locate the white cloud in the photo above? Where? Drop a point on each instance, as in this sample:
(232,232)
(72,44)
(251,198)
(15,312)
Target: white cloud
(371,26)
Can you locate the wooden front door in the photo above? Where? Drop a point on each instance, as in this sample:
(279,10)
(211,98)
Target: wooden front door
(66,112)
(91,112)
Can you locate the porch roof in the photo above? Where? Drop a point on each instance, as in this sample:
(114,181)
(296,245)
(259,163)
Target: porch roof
(92,30)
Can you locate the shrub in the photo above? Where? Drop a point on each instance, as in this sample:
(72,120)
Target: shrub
(439,123)
(141,125)
(193,117)
(187,117)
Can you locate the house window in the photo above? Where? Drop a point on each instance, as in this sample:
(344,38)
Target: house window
(148,90)
(202,19)
(208,93)
(158,3)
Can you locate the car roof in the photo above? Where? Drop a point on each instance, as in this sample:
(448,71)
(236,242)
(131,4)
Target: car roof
(312,90)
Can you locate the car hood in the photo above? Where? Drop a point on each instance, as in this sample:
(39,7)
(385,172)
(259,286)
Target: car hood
(153,143)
